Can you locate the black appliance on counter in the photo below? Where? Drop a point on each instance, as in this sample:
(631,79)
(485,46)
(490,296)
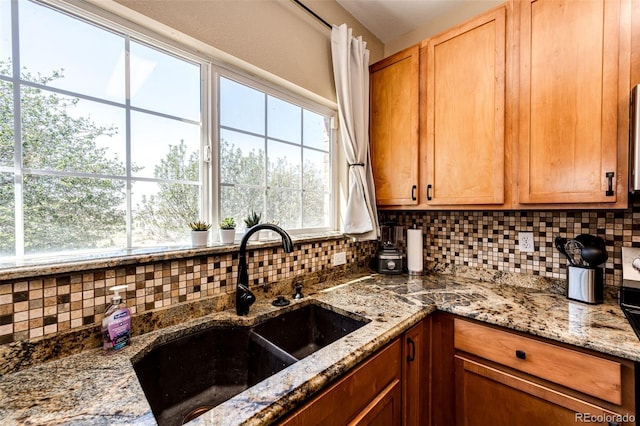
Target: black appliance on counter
(630,305)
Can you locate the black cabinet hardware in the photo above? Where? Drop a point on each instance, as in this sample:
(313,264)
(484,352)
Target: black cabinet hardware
(412,355)
(609,176)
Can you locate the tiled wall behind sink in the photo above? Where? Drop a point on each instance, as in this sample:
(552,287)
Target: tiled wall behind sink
(45,305)
(489,239)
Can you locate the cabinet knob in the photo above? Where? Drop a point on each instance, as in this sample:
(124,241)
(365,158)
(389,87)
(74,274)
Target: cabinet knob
(521,354)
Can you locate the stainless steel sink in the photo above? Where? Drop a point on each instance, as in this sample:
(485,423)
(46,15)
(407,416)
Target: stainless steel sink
(185,377)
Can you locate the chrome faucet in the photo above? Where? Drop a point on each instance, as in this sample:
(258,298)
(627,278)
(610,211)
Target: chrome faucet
(244,296)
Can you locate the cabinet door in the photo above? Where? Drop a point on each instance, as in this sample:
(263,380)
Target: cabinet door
(465,112)
(574,66)
(488,396)
(364,390)
(384,410)
(414,377)
(394,127)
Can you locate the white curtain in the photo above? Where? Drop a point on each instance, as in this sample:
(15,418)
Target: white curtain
(351,73)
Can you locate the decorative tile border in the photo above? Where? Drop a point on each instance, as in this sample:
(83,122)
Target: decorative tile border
(45,305)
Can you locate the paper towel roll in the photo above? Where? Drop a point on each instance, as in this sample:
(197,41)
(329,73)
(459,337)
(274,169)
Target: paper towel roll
(414,251)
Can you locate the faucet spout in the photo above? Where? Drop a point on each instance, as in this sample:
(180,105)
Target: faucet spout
(244,297)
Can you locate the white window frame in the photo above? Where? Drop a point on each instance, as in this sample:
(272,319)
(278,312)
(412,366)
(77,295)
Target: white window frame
(278,92)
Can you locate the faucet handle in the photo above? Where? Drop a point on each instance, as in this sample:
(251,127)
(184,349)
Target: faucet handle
(244,299)
(298,294)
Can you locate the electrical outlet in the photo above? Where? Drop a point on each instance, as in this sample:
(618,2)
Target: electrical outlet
(339,258)
(525,242)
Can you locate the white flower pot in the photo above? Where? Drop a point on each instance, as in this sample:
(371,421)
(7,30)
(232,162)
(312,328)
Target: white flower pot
(199,238)
(227,236)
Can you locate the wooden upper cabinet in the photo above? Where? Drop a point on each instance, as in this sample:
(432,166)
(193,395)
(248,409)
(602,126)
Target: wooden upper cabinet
(465,71)
(574,88)
(394,127)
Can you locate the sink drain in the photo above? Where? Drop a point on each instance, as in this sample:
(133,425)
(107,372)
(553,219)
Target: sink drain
(196,412)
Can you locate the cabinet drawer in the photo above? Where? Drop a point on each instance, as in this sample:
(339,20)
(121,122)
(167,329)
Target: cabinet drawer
(598,377)
(348,397)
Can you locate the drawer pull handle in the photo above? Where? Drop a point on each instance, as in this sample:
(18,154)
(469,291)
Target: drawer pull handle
(412,356)
(521,354)
(609,176)
(413,193)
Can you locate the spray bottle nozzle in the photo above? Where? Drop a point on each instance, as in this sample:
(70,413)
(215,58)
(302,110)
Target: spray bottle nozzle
(116,289)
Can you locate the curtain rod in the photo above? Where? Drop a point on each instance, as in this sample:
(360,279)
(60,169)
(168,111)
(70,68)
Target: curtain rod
(315,15)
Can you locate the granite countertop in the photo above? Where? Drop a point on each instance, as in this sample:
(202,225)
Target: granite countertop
(91,388)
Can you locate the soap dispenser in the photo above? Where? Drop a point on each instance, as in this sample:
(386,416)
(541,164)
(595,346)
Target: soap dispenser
(116,324)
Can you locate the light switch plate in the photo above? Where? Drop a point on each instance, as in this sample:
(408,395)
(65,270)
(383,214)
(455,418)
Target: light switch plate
(629,273)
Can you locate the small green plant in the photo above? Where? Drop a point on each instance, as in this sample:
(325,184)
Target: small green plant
(253,219)
(228,223)
(199,225)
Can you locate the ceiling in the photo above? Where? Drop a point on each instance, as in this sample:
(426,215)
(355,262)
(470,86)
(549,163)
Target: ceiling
(389,19)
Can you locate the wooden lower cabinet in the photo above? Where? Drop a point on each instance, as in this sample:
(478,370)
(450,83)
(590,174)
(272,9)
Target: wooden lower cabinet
(507,378)
(415,374)
(388,389)
(369,395)
(490,396)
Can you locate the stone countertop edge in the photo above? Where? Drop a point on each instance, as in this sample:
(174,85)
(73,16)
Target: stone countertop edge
(91,388)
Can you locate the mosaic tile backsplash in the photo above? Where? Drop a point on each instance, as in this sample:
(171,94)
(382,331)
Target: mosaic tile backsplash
(47,305)
(490,239)
(31,308)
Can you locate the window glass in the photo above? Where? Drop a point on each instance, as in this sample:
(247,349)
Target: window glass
(237,202)
(242,158)
(7,215)
(70,54)
(295,192)
(73,213)
(316,183)
(161,211)
(164,148)
(317,170)
(284,207)
(6,124)
(94,167)
(5,38)
(70,134)
(316,209)
(284,120)
(284,165)
(316,130)
(241,107)
(163,83)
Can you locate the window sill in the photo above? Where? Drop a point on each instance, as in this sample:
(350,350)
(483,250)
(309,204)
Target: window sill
(67,264)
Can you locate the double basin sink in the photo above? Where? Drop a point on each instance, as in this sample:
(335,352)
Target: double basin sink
(188,376)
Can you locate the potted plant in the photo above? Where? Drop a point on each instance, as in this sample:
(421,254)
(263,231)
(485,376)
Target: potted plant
(199,233)
(227,230)
(252,220)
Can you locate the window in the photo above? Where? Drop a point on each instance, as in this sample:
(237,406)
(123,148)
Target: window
(274,159)
(101,136)
(103,130)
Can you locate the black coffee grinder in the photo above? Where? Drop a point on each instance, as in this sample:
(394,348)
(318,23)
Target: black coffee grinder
(389,257)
